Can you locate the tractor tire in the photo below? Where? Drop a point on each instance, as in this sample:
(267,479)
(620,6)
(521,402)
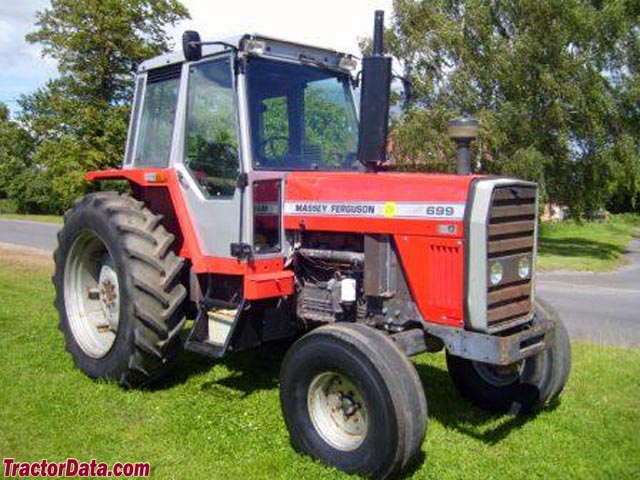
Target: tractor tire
(352,399)
(118,290)
(520,388)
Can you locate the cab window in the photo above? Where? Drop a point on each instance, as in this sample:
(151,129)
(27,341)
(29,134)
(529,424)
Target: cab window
(211,150)
(158,117)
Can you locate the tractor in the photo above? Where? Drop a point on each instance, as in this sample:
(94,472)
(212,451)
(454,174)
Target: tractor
(261,208)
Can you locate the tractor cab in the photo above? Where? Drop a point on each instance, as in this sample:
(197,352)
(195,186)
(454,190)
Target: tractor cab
(241,113)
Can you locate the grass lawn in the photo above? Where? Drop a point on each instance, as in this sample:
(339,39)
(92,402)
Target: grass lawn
(33,218)
(590,246)
(222,419)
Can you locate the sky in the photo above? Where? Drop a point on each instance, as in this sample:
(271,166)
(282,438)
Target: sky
(335,24)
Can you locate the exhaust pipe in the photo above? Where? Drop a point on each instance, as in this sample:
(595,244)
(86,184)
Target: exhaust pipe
(374,101)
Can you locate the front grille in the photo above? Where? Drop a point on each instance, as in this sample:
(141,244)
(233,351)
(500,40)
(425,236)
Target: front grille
(511,236)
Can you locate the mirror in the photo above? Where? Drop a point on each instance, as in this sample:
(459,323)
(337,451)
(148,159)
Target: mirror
(191,46)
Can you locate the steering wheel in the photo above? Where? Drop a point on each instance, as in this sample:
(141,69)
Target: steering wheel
(274,149)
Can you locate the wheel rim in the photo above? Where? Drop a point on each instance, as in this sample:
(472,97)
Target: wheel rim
(497,375)
(92,295)
(337,410)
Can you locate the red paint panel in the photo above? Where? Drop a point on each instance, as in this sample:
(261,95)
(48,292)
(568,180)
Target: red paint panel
(375,187)
(189,245)
(139,176)
(383,186)
(371,225)
(268,285)
(434,268)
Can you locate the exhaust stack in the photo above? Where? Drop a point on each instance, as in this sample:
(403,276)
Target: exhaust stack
(374,100)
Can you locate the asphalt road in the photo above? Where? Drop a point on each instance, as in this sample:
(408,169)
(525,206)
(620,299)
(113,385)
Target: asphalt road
(29,234)
(601,308)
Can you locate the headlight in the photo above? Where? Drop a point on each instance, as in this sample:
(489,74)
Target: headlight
(495,273)
(524,267)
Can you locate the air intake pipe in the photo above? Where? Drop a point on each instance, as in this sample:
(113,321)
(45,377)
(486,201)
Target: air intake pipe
(374,100)
(463,131)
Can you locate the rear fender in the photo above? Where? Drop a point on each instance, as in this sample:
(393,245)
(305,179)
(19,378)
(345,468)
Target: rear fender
(160,190)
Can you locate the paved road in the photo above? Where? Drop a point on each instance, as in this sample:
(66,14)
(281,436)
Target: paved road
(29,234)
(601,308)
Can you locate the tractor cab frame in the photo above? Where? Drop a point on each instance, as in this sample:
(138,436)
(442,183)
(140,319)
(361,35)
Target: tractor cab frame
(230,125)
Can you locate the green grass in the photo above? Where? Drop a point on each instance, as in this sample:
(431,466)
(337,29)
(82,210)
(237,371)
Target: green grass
(589,246)
(222,419)
(32,217)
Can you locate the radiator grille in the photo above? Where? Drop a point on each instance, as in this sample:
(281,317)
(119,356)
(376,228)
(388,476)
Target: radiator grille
(511,237)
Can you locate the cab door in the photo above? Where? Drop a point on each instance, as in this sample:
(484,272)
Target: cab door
(209,155)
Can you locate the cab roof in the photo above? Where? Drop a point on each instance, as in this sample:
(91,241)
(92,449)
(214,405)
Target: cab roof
(274,48)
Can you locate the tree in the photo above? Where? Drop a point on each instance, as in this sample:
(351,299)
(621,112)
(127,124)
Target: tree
(79,120)
(16,146)
(554,84)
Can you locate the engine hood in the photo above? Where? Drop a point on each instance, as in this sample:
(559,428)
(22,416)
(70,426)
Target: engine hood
(382,202)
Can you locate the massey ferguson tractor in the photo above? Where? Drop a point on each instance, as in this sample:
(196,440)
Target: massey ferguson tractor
(260,203)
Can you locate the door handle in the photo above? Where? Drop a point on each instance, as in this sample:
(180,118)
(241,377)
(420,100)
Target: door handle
(182,180)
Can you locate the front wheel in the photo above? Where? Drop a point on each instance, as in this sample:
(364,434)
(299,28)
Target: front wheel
(522,387)
(352,399)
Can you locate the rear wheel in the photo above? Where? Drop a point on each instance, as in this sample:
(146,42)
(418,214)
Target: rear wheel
(352,399)
(118,289)
(522,387)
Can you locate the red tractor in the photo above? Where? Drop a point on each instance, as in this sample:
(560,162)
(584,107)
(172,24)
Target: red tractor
(259,203)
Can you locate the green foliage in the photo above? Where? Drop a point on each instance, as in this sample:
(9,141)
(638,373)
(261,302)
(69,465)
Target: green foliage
(594,246)
(554,83)
(327,120)
(16,146)
(212,145)
(328,125)
(8,207)
(156,125)
(78,121)
(101,42)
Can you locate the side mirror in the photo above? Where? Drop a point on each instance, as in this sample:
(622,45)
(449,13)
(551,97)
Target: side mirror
(191,46)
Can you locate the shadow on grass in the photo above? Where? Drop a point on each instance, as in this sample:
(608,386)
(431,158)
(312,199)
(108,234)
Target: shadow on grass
(454,412)
(580,247)
(256,370)
(250,370)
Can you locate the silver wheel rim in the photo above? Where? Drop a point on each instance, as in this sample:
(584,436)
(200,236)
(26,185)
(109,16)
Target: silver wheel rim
(91,295)
(499,376)
(337,410)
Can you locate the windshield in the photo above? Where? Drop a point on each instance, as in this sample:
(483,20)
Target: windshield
(302,117)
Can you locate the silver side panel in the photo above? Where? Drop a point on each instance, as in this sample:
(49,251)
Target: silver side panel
(216,222)
(534,267)
(246,156)
(477,250)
